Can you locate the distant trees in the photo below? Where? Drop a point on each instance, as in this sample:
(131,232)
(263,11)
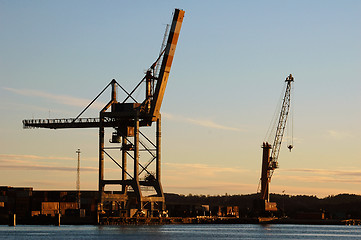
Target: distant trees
(342,206)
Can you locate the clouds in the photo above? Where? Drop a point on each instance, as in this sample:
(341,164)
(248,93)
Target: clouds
(24,158)
(38,167)
(60,99)
(81,102)
(322,175)
(197,178)
(316,181)
(203,169)
(338,134)
(212,188)
(38,163)
(201,122)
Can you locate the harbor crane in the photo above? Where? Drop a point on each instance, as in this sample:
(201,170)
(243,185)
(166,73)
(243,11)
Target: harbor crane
(271,152)
(127,118)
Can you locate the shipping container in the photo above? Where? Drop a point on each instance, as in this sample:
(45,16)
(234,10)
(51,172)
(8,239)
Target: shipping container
(49,206)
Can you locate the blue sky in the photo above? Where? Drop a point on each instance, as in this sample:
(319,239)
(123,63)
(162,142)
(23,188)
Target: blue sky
(227,76)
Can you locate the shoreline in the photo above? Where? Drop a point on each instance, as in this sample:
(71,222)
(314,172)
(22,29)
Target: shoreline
(64,220)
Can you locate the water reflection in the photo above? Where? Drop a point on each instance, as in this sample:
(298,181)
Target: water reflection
(182,232)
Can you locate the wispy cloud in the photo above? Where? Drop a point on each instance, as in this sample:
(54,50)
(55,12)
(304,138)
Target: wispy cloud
(309,190)
(61,99)
(212,188)
(204,179)
(81,102)
(45,167)
(202,169)
(319,182)
(33,162)
(326,171)
(32,158)
(201,122)
(322,175)
(338,134)
(24,158)
(12,105)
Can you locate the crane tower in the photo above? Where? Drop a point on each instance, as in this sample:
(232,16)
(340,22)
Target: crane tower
(127,117)
(271,152)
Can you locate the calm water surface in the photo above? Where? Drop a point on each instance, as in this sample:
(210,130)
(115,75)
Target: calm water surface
(182,232)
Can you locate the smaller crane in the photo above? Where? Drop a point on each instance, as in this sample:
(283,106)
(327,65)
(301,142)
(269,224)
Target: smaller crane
(271,152)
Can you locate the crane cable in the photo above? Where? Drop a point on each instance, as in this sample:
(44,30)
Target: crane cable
(290,124)
(272,128)
(273,124)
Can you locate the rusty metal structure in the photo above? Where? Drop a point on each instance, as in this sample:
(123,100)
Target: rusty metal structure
(127,117)
(271,152)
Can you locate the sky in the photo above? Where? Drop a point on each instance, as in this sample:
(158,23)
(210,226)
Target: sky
(225,83)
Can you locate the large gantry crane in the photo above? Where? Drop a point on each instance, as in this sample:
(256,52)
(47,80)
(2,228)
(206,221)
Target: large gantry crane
(126,117)
(271,152)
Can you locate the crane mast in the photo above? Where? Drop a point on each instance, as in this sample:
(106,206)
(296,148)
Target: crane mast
(271,152)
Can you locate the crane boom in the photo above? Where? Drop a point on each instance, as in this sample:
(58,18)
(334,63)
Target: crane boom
(148,110)
(281,123)
(166,63)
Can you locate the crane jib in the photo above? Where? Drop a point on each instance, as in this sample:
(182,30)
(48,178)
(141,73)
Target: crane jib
(282,121)
(167,62)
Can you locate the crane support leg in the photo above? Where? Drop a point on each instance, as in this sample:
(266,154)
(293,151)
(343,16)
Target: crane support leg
(136,185)
(265,171)
(158,186)
(101,158)
(124,165)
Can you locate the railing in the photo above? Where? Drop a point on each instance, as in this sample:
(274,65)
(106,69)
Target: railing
(61,123)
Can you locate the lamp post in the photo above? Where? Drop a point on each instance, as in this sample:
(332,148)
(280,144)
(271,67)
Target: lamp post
(78,179)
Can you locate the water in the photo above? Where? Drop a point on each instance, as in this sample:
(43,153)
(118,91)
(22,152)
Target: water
(183,232)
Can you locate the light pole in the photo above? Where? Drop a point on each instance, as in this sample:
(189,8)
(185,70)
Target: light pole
(284,196)
(78,179)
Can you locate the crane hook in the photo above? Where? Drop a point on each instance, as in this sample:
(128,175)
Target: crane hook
(290,147)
